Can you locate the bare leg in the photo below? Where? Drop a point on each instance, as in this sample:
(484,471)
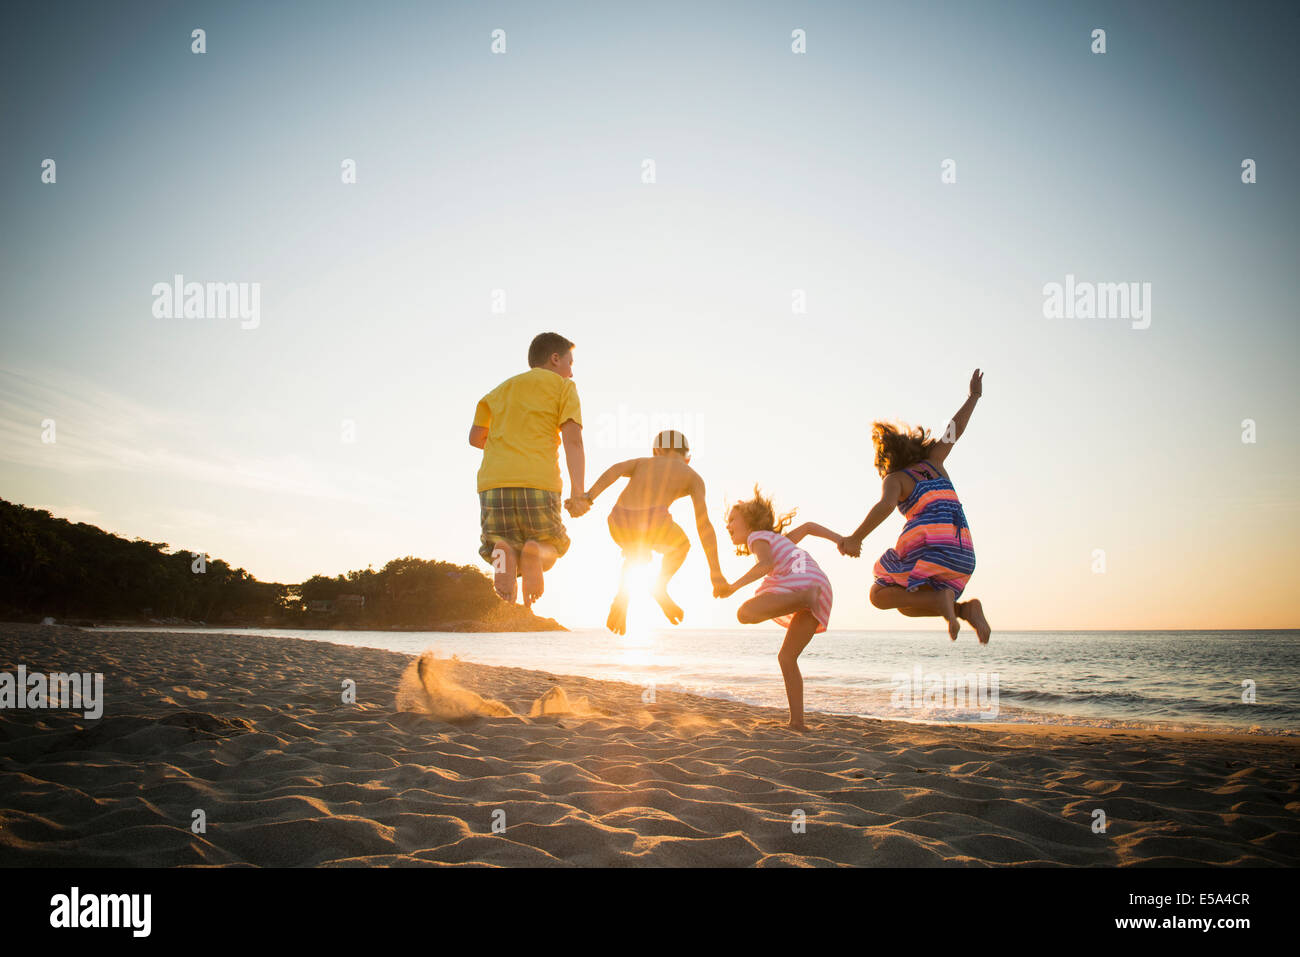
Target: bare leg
(504,563)
(973,612)
(802,628)
(925,602)
(775,604)
(535,559)
(668,566)
(617,620)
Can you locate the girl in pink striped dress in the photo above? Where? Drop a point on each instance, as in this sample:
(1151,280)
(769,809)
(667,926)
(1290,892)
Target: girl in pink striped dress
(794,592)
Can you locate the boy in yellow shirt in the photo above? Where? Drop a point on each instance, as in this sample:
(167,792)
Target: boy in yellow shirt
(519,426)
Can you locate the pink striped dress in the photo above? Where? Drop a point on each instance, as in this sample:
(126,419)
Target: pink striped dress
(793,569)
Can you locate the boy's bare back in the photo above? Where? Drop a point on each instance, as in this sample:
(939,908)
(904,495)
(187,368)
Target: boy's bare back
(658,480)
(640,522)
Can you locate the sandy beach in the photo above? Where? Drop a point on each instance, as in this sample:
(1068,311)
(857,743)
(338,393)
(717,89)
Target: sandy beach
(493,766)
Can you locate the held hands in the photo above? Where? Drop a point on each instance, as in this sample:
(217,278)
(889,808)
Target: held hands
(850,546)
(578,505)
(977,383)
(720,587)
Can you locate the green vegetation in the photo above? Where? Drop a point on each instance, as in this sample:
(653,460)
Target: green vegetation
(50,566)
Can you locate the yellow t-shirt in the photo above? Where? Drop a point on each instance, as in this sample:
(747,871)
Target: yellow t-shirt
(523,416)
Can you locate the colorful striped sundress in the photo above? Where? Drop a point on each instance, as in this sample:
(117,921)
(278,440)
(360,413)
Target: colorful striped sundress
(793,569)
(935,547)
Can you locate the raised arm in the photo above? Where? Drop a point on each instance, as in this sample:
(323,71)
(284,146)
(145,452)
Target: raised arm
(708,538)
(891,490)
(812,528)
(939,451)
(610,476)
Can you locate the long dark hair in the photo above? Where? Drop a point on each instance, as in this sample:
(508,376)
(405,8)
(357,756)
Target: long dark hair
(900,446)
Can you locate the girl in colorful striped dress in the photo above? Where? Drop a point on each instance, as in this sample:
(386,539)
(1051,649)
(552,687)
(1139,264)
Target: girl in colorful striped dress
(794,592)
(927,571)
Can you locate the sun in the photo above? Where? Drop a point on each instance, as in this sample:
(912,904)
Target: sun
(583,583)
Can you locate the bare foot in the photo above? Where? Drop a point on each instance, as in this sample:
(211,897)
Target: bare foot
(950,613)
(797,727)
(672,611)
(617,620)
(531,564)
(973,612)
(503,566)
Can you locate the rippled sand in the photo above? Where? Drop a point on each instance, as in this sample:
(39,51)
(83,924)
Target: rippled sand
(253,732)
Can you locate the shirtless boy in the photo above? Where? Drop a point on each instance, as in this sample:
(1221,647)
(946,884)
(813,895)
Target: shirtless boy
(640,522)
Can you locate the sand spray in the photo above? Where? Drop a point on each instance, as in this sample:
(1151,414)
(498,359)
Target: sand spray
(427,686)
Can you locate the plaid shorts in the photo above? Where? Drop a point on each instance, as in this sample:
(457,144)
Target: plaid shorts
(519,515)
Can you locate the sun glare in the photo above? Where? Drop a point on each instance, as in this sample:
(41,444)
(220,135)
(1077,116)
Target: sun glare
(643,615)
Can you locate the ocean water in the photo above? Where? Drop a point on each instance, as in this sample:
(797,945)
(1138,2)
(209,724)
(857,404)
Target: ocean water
(1175,680)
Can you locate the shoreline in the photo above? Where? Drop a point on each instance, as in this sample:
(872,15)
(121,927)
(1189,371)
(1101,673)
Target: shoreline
(1050,719)
(253,731)
(87,624)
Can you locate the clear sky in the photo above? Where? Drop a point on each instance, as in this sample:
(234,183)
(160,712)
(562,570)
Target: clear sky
(775,172)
